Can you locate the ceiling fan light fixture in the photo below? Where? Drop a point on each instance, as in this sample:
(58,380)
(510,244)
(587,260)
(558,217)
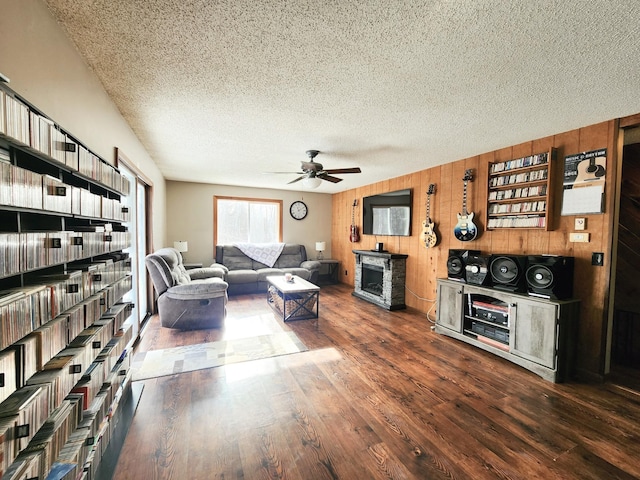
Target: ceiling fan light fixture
(311,182)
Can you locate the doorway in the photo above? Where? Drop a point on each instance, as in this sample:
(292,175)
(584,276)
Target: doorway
(625,333)
(138,202)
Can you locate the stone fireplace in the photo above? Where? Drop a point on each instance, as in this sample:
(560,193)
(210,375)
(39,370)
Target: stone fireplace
(380,278)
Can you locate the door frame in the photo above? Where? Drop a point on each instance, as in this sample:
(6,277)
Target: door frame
(624,124)
(122,159)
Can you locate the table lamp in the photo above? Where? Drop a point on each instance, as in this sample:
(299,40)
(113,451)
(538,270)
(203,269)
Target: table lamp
(181,246)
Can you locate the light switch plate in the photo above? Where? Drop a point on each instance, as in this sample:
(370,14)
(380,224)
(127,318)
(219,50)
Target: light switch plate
(597,259)
(580,224)
(579,237)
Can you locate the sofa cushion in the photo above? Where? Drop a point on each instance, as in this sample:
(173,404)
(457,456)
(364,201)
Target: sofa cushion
(242,276)
(263,273)
(234,259)
(292,256)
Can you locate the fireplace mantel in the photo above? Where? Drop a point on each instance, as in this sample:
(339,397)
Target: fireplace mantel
(374,253)
(388,270)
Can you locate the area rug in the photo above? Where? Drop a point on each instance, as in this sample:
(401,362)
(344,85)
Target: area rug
(159,363)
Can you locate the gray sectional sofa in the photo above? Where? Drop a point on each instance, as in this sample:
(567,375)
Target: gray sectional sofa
(245,275)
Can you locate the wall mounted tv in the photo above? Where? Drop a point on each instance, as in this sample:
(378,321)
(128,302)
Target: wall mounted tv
(387,214)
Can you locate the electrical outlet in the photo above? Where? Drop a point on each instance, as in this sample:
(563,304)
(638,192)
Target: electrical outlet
(579,237)
(580,224)
(597,259)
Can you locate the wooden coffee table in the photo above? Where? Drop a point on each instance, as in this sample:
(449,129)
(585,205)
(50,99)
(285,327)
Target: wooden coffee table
(296,300)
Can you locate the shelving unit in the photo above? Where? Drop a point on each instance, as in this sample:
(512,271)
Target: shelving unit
(520,193)
(535,333)
(64,329)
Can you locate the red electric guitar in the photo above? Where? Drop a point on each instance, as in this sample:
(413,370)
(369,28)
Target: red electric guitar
(354,236)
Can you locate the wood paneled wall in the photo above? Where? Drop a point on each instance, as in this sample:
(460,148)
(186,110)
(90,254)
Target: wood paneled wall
(425,266)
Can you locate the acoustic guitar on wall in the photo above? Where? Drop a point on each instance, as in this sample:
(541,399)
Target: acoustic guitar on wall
(465,230)
(354,235)
(591,170)
(428,236)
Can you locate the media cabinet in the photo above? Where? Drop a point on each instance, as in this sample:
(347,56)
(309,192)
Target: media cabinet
(536,333)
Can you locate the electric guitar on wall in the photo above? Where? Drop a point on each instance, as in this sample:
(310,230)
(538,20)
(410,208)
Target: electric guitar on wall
(428,237)
(354,235)
(465,230)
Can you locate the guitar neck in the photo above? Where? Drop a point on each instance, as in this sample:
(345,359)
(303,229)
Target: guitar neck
(464,200)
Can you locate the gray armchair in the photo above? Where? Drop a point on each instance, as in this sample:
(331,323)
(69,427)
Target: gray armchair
(187,299)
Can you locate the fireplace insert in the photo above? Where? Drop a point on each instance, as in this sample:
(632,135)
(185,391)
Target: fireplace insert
(372,278)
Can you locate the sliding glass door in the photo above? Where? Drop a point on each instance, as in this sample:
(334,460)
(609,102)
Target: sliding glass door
(138,202)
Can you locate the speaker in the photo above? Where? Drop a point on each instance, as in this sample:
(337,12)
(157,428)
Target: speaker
(477,269)
(550,276)
(456,263)
(508,272)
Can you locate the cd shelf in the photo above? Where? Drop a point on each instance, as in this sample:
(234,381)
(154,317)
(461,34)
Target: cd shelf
(64,329)
(519,193)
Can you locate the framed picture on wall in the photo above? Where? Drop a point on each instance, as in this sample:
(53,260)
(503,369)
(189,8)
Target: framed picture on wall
(584,182)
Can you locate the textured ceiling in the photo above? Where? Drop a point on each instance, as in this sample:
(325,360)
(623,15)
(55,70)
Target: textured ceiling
(222,91)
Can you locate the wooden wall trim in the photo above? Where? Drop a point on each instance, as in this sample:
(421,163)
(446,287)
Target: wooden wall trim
(122,158)
(630,121)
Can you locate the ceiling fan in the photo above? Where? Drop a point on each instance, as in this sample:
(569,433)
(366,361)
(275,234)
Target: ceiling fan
(315,170)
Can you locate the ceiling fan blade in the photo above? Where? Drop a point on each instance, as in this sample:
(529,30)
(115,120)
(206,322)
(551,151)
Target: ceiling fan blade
(344,170)
(285,173)
(298,179)
(329,178)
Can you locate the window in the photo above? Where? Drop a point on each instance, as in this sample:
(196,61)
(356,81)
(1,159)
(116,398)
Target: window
(252,220)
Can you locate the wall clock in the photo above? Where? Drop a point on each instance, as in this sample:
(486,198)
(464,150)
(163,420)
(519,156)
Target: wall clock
(298,210)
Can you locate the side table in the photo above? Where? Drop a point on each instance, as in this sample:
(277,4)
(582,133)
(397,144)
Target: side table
(328,271)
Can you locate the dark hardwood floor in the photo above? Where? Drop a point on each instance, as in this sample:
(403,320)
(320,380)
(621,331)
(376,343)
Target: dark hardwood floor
(377,396)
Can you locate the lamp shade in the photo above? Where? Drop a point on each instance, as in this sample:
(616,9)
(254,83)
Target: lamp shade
(181,246)
(321,246)
(311,182)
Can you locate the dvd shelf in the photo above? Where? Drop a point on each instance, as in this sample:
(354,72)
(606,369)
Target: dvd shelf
(535,333)
(519,192)
(64,330)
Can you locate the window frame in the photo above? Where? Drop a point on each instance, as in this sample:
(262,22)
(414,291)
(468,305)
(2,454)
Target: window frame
(277,202)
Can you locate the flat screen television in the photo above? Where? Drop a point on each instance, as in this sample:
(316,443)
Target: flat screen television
(387,214)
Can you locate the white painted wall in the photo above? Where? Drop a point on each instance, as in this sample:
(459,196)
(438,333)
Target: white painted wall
(190,217)
(45,68)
